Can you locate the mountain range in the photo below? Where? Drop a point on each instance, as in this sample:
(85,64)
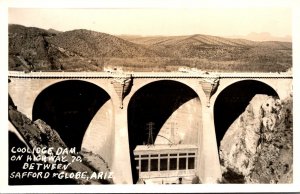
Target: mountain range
(36,49)
(264,36)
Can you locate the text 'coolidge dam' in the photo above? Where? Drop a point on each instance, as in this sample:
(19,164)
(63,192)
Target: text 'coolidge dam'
(145,124)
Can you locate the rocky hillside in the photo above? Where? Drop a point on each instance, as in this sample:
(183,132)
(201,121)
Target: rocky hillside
(26,133)
(28,47)
(258,146)
(38,49)
(84,50)
(87,43)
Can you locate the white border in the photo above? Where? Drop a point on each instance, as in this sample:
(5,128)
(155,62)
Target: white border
(5,4)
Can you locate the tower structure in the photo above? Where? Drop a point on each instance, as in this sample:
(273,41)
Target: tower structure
(149,128)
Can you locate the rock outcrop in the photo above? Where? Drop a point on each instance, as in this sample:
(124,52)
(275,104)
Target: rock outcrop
(258,146)
(39,134)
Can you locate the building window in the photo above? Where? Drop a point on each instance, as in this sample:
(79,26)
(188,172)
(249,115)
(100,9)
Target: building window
(144,165)
(154,165)
(191,163)
(182,163)
(163,164)
(173,163)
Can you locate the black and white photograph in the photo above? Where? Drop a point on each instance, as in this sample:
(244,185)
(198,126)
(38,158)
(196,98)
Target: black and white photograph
(150,95)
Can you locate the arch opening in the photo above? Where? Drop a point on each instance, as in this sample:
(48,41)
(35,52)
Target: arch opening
(232,102)
(172,110)
(68,107)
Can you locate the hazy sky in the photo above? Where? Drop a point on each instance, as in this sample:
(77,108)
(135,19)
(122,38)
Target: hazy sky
(212,21)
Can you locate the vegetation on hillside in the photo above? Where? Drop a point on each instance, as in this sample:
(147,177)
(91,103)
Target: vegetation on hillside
(35,49)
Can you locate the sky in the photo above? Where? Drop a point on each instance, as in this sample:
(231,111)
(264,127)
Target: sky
(160,21)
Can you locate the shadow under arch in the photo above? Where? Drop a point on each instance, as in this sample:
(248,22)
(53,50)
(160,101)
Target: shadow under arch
(232,102)
(156,102)
(68,107)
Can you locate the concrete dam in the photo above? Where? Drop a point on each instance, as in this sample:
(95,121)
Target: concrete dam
(117,115)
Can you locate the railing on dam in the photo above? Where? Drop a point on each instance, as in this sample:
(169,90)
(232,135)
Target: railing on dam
(107,75)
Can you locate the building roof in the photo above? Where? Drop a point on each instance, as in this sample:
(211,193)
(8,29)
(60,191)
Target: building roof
(164,147)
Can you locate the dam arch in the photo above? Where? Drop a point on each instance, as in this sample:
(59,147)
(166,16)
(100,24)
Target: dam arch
(168,105)
(233,100)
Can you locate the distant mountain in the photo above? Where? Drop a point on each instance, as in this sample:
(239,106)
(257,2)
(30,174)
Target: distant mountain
(200,40)
(263,36)
(196,39)
(53,31)
(84,50)
(219,49)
